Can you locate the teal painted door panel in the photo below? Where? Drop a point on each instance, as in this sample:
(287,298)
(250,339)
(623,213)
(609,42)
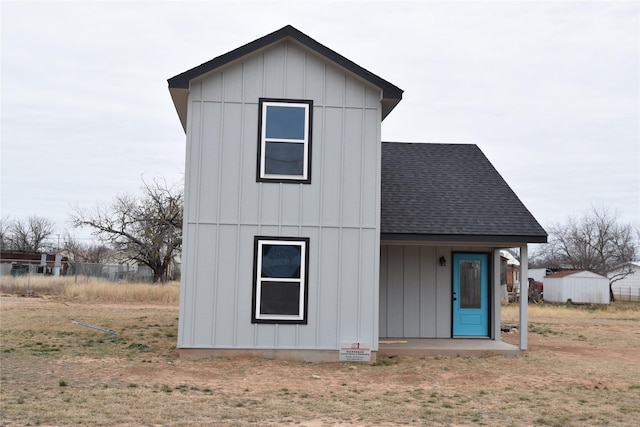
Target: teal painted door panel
(470,295)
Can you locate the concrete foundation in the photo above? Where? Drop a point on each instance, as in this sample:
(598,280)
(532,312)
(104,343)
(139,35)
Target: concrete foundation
(315,356)
(388,347)
(445,347)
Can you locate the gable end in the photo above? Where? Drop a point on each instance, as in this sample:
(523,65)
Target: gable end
(179,84)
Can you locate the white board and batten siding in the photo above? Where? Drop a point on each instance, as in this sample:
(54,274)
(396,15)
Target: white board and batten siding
(415,291)
(225,208)
(580,287)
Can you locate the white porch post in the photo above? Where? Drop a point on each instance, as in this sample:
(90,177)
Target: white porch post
(497,296)
(524,296)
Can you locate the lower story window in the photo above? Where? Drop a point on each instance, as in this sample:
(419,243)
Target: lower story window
(280,280)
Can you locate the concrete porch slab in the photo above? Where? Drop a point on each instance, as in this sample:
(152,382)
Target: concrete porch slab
(419,347)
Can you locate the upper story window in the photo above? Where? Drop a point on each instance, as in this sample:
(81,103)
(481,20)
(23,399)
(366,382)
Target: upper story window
(284,146)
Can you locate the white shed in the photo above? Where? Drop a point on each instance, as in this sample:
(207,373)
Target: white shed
(579,286)
(628,288)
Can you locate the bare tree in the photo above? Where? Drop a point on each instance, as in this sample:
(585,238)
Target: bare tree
(147,230)
(5,241)
(82,252)
(596,242)
(28,235)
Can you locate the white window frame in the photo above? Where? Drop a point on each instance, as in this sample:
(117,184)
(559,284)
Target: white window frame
(301,317)
(307,105)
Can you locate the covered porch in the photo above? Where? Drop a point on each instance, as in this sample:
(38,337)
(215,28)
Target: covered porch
(459,347)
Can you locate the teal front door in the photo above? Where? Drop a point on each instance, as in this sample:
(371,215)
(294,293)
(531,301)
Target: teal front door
(470,295)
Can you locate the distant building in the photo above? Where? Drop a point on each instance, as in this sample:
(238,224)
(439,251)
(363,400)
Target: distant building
(579,286)
(17,263)
(627,289)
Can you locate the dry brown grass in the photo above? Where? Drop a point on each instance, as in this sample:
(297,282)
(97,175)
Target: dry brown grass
(582,369)
(620,310)
(90,289)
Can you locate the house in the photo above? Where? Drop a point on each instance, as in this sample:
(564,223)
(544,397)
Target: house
(579,286)
(627,288)
(305,235)
(538,274)
(18,263)
(509,275)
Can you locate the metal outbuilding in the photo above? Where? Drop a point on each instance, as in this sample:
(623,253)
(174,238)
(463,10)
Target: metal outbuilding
(579,286)
(626,288)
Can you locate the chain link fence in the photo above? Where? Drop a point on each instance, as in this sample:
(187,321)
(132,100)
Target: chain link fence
(622,293)
(82,271)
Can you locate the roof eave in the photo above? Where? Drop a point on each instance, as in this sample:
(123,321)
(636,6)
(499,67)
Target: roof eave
(180,99)
(460,238)
(391,94)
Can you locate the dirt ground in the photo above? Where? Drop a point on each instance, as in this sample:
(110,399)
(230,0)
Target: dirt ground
(579,370)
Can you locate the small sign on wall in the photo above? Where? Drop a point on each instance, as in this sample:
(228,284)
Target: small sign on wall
(355,352)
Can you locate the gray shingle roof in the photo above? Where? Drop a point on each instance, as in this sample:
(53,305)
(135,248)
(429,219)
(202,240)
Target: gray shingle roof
(450,192)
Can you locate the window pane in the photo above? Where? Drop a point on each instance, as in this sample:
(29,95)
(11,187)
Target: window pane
(282,261)
(285,122)
(284,158)
(280,298)
(470,284)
